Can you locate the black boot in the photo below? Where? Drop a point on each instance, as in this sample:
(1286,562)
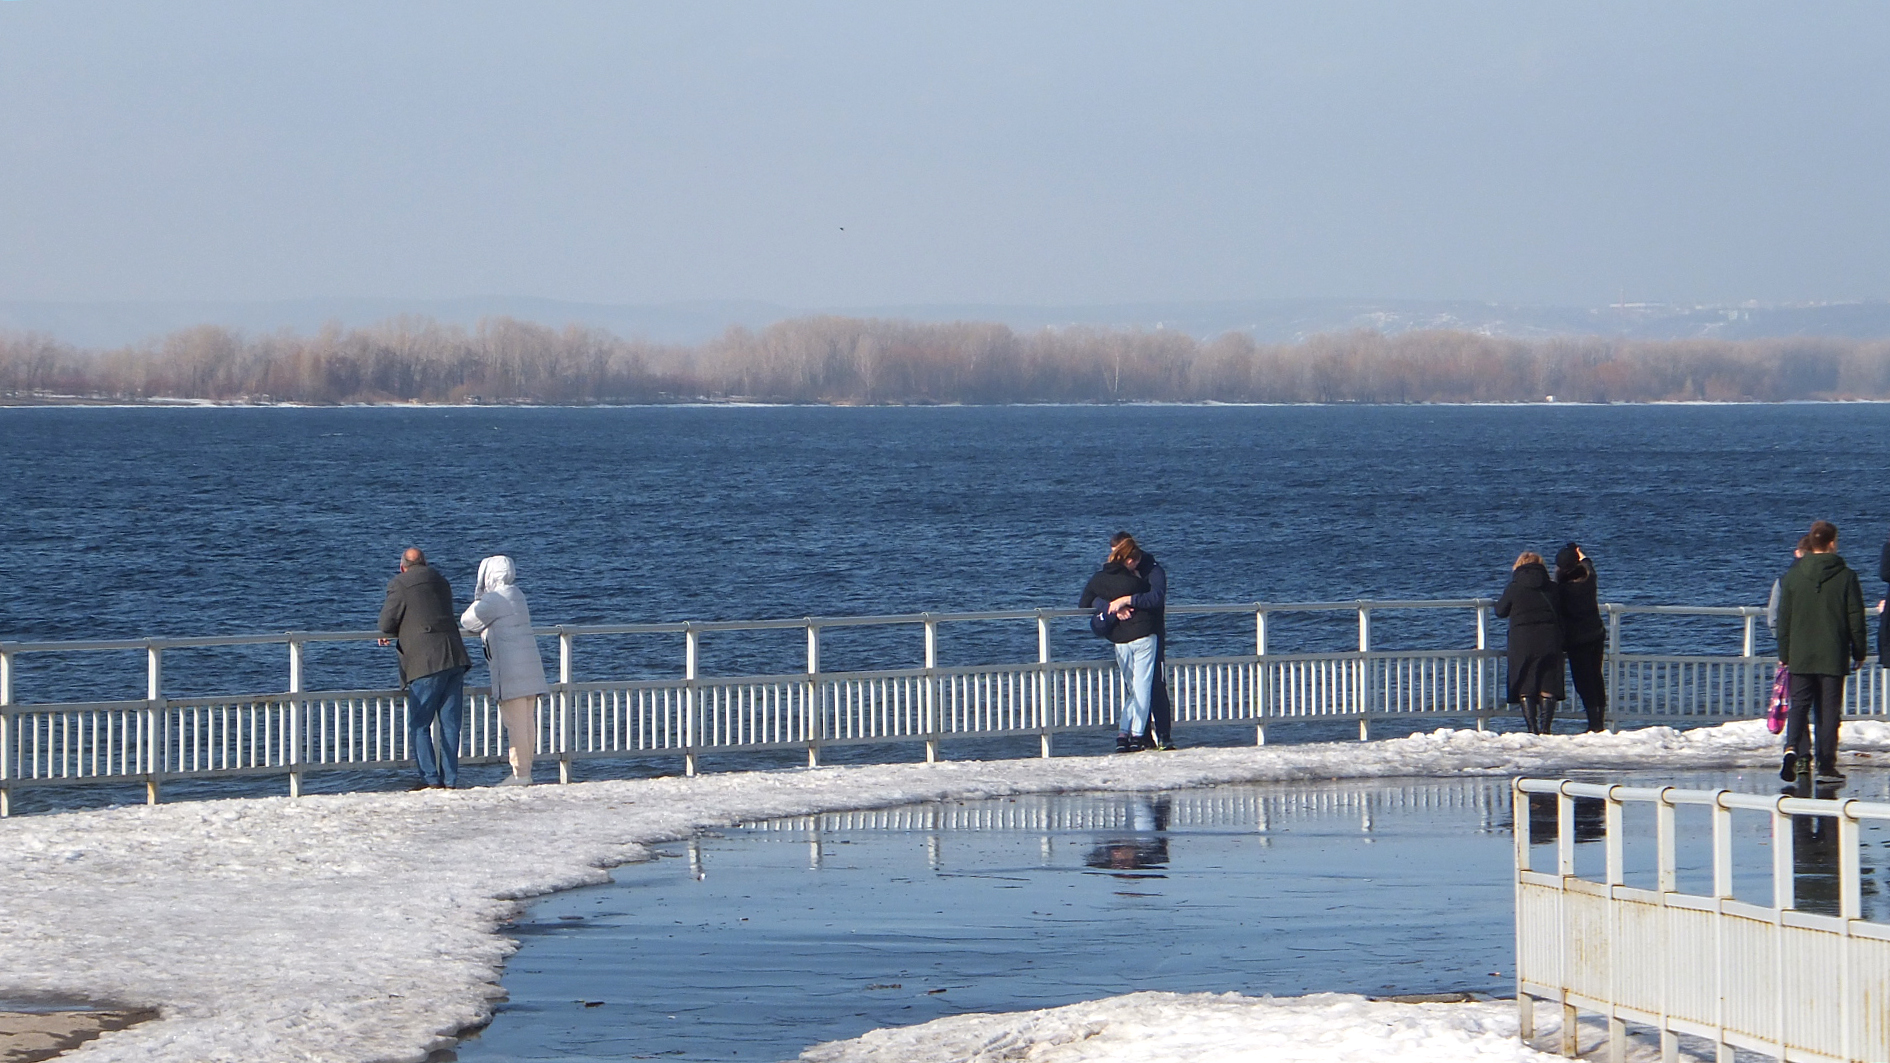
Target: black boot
(1546,716)
(1596,716)
(1529,715)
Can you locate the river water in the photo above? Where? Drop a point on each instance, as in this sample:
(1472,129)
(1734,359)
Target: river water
(129,522)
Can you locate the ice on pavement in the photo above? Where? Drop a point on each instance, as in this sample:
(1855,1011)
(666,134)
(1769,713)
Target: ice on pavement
(361,927)
(1217,1028)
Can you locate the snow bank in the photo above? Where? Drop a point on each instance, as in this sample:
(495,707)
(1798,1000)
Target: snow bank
(363,926)
(1216,1028)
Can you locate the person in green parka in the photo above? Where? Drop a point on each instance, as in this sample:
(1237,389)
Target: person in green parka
(1821,636)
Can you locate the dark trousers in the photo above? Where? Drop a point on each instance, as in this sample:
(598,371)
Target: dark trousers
(1824,696)
(1584,666)
(1161,716)
(442,694)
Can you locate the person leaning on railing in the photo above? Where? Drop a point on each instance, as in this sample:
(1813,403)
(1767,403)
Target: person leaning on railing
(503,622)
(1584,636)
(1533,608)
(433,663)
(1821,633)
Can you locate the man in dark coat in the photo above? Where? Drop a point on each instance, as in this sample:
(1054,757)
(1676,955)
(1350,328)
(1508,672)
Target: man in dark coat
(1821,633)
(419,614)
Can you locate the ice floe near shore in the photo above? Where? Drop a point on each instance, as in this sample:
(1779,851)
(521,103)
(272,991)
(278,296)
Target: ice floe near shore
(364,927)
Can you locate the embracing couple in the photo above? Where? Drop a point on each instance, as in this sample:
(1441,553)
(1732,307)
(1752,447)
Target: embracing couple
(1126,601)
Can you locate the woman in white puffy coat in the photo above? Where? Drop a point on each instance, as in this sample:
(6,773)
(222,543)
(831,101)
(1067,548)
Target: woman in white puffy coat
(499,617)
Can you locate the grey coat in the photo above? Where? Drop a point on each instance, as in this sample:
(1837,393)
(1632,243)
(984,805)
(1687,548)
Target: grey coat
(419,614)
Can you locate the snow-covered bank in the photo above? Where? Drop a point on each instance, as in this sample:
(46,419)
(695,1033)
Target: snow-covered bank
(362,927)
(1216,1028)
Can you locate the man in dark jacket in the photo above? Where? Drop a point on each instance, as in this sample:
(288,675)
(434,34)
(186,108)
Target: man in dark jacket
(1821,633)
(1583,634)
(419,613)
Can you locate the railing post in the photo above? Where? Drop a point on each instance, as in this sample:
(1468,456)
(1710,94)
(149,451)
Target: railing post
(931,689)
(153,714)
(1746,644)
(1783,897)
(1260,683)
(1667,881)
(818,730)
(297,649)
(1850,906)
(1615,875)
(692,698)
(1565,870)
(1613,670)
(1519,818)
(561,726)
(1367,678)
(1783,894)
(1043,682)
(1483,644)
(6,732)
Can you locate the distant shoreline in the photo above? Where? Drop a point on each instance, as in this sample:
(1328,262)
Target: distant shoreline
(78,403)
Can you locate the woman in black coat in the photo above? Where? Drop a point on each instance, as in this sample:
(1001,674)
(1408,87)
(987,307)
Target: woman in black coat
(1583,633)
(1535,641)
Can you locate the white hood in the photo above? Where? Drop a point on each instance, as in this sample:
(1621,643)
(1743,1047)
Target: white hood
(495,572)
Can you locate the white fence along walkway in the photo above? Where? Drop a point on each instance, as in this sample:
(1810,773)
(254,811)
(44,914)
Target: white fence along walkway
(294,730)
(1770,978)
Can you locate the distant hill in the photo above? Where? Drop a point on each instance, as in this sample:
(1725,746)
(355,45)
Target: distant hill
(118,324)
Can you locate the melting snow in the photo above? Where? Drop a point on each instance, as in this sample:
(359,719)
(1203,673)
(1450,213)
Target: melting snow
(365,927)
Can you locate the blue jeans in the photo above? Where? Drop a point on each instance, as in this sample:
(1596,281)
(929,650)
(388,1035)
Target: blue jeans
(442,694)
(1137,661)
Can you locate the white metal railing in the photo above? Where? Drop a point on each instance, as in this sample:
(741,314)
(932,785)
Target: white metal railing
(1771,978)
(298,730)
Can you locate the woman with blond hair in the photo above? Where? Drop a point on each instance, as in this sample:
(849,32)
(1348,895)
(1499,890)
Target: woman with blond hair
(1533,609)
(499,616)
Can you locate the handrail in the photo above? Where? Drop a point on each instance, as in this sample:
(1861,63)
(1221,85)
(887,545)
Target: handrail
(1848,808)
(787,623)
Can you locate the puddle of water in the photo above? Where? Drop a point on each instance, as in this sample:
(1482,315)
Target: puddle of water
(753,943)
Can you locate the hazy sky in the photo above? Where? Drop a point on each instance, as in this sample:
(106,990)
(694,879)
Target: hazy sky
(1004,152)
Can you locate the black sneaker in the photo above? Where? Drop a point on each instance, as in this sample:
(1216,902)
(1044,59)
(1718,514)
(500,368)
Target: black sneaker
(1138,743)
(1789,770)
(1161,744)
(1125,744)
(1803,767)
(1830,774)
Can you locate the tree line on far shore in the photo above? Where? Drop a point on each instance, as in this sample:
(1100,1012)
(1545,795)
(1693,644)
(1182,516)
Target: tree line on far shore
(840,360)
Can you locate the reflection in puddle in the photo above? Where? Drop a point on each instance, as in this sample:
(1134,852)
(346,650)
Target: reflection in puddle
(754,942)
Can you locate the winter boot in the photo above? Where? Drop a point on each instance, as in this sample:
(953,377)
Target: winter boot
(1529,715)
(1597,716)
(1545,716)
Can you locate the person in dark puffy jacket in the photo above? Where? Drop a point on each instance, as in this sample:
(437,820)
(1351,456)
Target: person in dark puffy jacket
(1584,636)
(1533,608)
(1133,633)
